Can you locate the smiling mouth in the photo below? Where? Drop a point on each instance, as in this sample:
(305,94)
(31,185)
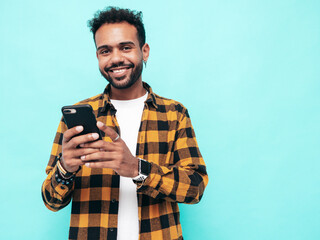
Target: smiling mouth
(119,70)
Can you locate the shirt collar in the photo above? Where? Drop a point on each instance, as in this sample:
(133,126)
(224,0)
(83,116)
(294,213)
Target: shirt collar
(151,99)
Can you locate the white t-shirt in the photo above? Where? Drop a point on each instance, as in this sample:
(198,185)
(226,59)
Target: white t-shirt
(129,113)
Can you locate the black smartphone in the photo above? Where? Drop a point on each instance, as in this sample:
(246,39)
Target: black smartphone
(81,115)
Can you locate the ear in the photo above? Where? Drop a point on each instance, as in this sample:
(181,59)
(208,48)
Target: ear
(145,52)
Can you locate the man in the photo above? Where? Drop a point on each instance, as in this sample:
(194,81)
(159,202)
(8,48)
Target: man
(128,185)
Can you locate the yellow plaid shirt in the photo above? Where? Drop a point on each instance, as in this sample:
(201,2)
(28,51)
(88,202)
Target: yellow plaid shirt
(178,174)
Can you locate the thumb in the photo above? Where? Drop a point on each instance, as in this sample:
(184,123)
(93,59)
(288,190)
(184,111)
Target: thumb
(108,131)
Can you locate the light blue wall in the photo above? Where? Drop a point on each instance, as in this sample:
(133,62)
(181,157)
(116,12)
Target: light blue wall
(248,71)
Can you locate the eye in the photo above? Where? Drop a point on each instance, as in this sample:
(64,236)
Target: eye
(104,51)
(126,48)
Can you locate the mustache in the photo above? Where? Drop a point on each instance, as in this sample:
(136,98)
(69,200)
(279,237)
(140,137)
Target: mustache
(131,65)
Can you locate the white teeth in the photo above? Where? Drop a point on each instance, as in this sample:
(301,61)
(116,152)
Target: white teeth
(119,71)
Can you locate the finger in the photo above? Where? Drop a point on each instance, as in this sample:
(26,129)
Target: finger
(84,151)
(73,158)
(101,145)
(108,131)
(74,162)
(104,164)
(76,141)
(71,132)
(98,156)
(77,162)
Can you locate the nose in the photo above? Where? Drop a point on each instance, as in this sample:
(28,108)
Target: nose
(116,57)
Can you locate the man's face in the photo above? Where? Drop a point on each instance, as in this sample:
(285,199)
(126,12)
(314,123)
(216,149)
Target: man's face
(119,54)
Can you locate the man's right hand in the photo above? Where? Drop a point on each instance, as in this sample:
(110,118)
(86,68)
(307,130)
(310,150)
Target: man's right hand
(70,153)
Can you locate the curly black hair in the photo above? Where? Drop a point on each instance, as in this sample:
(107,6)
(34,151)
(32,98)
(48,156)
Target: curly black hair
(117,15)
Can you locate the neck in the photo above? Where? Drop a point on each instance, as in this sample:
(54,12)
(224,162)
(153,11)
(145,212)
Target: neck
(135,91)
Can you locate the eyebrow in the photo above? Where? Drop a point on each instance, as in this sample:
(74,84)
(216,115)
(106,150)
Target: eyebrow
(121,44)
(127,43)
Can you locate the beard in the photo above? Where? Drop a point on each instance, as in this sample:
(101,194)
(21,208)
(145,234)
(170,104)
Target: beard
(132,79)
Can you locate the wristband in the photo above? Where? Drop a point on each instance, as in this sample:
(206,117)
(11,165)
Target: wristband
(64,173)
(62,180)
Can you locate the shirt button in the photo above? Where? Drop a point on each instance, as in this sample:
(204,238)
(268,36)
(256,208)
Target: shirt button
(113,200)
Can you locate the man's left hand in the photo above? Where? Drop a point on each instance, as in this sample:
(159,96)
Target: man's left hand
(115,155)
